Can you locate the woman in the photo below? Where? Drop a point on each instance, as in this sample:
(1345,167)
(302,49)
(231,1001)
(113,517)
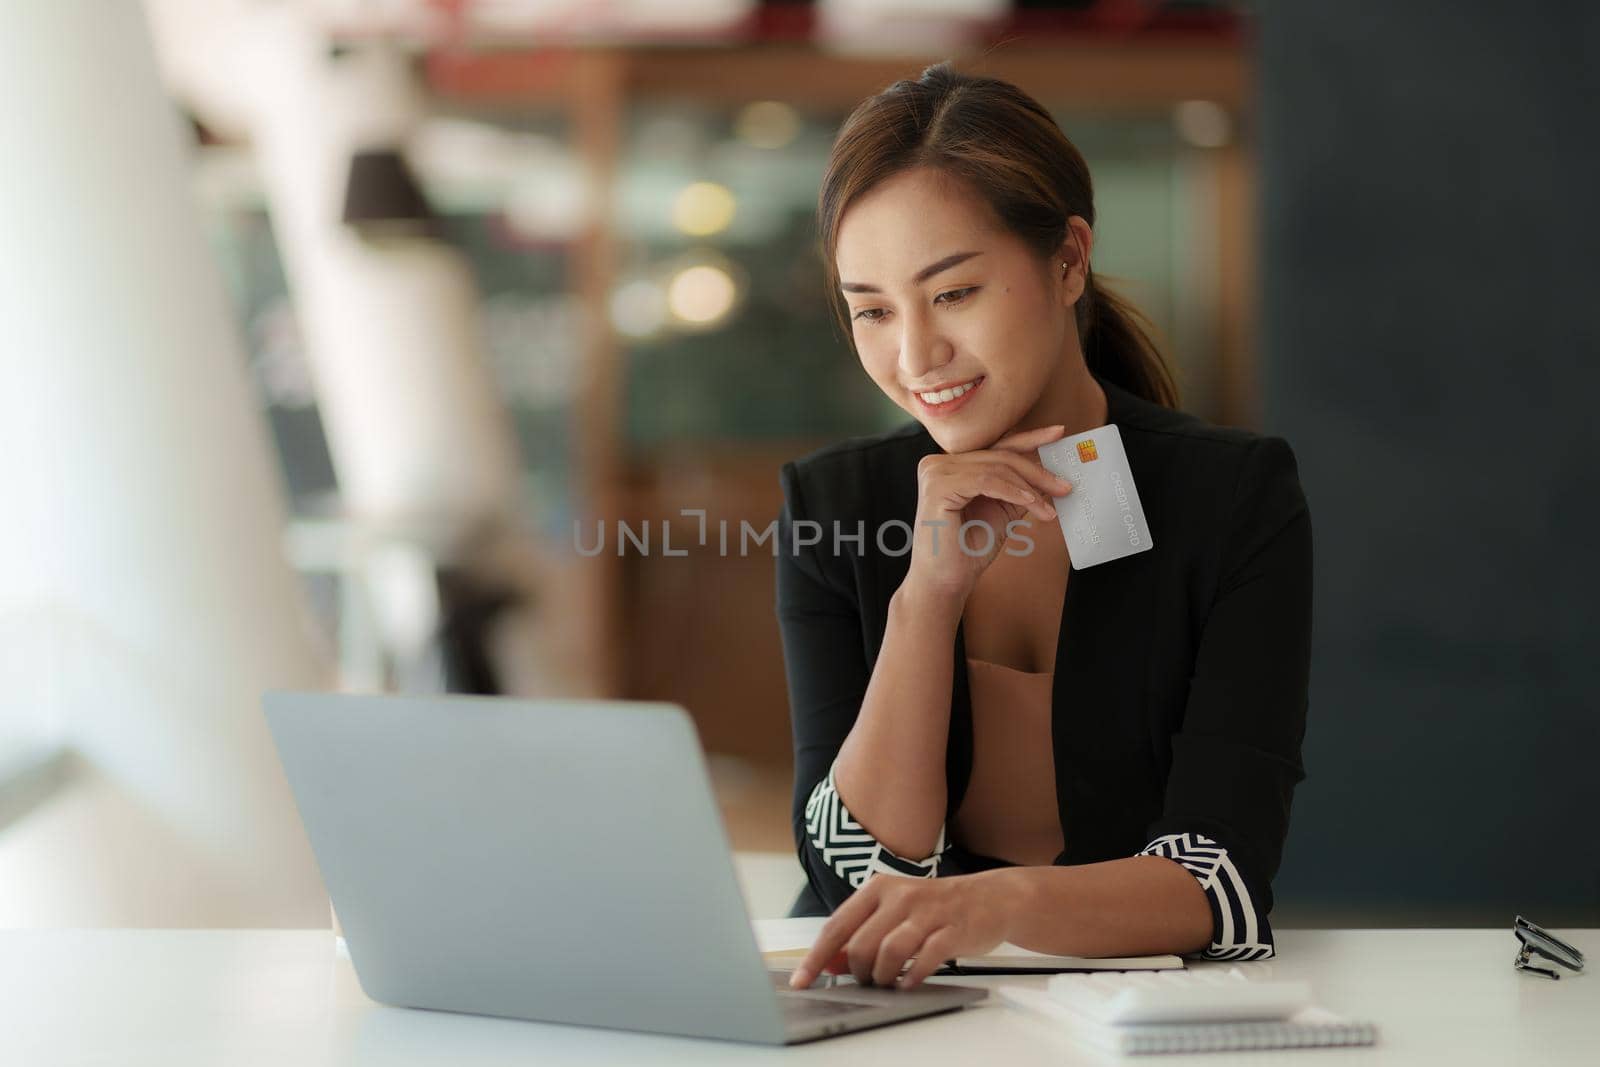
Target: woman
(1096,762)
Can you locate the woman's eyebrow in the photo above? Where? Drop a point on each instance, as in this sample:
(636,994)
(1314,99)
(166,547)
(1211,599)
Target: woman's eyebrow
(922,275)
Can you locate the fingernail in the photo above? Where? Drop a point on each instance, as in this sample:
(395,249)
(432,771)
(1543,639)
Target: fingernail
(794,981)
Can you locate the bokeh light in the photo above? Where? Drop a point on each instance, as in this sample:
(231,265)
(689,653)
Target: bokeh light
(767,124)
(1203,123)
(639,308)
(701,295)
(703,208)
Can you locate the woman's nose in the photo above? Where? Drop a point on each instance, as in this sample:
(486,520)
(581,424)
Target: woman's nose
(922,351)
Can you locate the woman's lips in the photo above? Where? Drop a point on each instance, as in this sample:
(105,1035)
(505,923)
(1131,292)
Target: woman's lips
(950,407)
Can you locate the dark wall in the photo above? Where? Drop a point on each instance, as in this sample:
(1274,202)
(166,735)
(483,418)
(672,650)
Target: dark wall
(1432,351)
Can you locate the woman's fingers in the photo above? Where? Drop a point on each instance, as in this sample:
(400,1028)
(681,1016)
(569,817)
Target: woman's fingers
(1033,472)
(945,473)
(1004,477)
(868,939)
(893,951)
(1028,440)
(930,956)
(838,930)
(1002,483)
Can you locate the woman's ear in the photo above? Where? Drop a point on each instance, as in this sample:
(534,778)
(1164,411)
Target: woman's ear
(1072,259)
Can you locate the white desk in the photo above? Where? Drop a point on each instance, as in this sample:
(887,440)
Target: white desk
(230,998)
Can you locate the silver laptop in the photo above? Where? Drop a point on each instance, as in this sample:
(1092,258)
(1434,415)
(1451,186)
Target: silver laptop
(554,860)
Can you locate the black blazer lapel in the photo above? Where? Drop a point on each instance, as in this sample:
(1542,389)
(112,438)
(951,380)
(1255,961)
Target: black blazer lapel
(1102,659)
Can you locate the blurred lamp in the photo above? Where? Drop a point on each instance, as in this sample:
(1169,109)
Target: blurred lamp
(382,197)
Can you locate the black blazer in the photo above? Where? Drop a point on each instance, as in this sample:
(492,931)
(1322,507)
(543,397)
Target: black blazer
(1181,673)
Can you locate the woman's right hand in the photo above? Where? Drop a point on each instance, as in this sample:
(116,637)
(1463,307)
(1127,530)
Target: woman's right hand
(995,486)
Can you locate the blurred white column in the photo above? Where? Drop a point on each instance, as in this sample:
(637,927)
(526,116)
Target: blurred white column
(419,438)
(145,601)
(415,426)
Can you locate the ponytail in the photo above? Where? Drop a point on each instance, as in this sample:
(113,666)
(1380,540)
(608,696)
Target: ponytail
(1117,345)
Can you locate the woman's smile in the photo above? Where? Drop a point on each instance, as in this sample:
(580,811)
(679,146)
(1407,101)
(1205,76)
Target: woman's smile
(949,400)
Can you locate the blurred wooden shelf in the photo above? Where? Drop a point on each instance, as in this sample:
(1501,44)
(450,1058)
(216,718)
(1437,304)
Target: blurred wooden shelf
(1103,74)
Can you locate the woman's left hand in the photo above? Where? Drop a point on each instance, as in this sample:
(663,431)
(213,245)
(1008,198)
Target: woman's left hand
(891,919)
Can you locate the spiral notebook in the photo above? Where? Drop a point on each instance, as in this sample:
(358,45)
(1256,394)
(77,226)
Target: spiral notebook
(1010,959)
(1311,1027)
(785,942)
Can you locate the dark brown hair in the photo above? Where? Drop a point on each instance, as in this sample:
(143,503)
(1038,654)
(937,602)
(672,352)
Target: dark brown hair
(999,143)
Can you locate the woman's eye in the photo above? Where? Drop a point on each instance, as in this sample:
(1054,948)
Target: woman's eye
(955,295)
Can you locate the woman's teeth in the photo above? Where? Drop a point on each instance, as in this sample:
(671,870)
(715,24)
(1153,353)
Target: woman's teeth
(944,396)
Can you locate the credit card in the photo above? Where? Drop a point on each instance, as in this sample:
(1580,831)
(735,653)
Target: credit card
(1101,518)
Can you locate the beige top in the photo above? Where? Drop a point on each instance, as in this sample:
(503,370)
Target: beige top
(1009,810)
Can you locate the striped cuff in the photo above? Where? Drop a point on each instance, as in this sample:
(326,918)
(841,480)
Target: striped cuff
(847,848)
(1238,932)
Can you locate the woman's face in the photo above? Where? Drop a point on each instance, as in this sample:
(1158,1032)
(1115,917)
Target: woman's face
(942,298)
